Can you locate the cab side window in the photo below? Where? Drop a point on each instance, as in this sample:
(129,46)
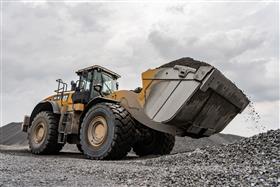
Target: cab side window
(85,81)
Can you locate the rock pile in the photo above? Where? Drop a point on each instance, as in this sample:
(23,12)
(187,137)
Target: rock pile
(252,161)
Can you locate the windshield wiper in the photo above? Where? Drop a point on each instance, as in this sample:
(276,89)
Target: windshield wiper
(108,88)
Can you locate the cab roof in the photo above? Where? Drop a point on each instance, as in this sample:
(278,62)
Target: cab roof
(91,68)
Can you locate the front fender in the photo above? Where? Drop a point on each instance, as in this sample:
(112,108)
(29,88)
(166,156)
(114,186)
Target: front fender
(50,106)
(93,102)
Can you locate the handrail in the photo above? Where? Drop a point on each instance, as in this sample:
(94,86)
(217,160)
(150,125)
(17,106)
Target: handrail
(61,88)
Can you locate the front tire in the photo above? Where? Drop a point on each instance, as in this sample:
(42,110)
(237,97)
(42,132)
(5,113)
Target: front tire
(43,134)
(106,132)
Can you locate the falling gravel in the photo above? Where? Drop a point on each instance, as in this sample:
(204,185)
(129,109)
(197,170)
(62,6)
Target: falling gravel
(250,161)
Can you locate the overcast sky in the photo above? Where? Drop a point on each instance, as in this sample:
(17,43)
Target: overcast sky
(45,41)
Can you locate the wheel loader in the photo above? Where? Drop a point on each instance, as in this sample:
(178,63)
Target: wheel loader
(182,98)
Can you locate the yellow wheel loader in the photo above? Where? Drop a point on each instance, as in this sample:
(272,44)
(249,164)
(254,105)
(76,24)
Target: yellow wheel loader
(184,98)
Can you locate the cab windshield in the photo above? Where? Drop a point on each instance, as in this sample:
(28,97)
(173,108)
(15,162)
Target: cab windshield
(89,79)
(108,84)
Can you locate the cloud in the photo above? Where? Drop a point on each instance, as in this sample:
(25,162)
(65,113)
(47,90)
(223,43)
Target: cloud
(212,46)
(244,49)
(93,20)
(46,41)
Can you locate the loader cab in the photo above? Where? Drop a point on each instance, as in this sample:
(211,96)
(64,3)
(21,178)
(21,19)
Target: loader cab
(94,81)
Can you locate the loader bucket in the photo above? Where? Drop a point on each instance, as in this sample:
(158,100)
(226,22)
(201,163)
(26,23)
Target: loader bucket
(196,98)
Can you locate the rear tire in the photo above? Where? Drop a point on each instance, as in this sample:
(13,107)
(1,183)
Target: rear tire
(43,134)
(106,132)
(156,143)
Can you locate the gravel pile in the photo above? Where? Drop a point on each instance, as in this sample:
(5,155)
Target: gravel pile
(11,134)
(186,61)
(251,161)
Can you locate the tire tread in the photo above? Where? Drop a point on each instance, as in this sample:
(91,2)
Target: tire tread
(124,132)
(50,146)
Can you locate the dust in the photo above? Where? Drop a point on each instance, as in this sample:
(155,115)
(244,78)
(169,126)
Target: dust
(254,117)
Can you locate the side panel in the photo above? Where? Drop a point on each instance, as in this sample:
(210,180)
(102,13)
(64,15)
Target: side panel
(169,90)
(176,100)
(159,94)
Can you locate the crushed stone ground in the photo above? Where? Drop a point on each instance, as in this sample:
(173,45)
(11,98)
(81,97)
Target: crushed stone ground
(251,161)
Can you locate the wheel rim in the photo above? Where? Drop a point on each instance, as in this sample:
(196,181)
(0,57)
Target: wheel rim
(97,131)
(39,132)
